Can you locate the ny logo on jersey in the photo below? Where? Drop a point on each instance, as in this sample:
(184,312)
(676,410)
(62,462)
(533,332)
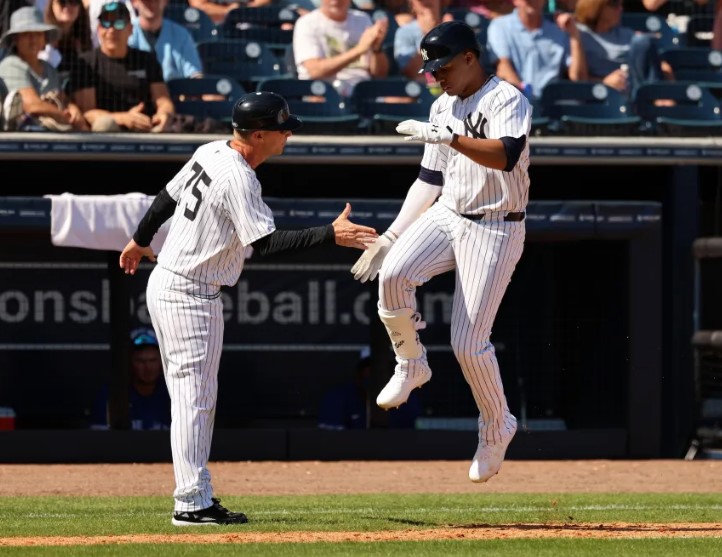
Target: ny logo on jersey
(475,129)
(424,55)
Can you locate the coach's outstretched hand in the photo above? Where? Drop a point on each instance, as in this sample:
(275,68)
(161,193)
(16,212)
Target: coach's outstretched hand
(425,132)
(352,235)
(368,265)
(131,256)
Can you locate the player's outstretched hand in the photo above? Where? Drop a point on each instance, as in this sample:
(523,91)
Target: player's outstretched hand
(367,266)
(352,235)
(425,132)
(131,256)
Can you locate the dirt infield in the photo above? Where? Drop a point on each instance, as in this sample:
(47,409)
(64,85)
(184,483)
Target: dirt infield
(312,477)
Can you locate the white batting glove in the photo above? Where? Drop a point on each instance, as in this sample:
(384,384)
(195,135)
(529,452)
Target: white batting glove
(367,266)
(425,132)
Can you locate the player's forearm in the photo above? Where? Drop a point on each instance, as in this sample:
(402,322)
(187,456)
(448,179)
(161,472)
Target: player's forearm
(486,152)
(420,197)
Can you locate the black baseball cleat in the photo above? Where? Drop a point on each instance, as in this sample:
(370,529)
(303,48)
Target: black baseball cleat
(212,516)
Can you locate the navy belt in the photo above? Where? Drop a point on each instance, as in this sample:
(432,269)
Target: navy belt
(514,217)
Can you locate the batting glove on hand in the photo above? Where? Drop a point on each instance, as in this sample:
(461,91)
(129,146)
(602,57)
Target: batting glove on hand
(368,265)
(425,132)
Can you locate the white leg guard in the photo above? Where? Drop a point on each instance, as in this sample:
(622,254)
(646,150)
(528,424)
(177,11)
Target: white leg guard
(401,325)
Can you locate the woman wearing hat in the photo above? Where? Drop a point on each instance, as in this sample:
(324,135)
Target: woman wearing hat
(35,100)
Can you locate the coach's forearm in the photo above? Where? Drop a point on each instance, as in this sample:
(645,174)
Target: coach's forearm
(284,240)
(159,211)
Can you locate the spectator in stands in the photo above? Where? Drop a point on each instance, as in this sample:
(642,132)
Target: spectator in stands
(216,9)
(486,8)
(172,43)
(71,19)
(147,395)
(530,51)
(427,14)
(35,100)
(93,7)
(608,46)
(120,88)
(717,26)
(339,45)
(347,405)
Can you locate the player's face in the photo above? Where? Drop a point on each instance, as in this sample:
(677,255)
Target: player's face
(453,78)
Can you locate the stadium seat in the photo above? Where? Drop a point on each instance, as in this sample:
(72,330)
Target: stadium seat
(586,108)
(699,30)
(383,103)
(678,109)
(664,35)
(248,62)
(695,63)
(191,96)
(474,20)
(197,22)
(320,107)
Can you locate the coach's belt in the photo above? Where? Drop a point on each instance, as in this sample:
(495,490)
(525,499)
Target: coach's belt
(515,217)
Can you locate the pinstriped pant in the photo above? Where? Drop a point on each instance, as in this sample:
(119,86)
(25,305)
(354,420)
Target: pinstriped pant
(484,255)
(188,320)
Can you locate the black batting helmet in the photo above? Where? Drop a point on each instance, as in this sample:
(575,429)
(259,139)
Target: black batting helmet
(445,41)
(263,110)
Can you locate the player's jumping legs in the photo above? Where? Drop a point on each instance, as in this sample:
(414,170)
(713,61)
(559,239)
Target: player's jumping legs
(487,254)
(190,335)
(423,251)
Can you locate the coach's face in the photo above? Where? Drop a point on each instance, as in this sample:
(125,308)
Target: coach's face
(273,142)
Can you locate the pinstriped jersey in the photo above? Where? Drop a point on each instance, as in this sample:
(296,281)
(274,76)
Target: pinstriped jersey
(219,212)
(496,110)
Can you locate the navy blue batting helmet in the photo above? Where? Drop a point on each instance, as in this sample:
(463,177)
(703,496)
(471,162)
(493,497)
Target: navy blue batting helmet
(445,41)
(263,110)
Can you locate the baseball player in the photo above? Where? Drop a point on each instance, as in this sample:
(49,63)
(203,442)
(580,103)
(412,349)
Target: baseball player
(217,214)
(465,212)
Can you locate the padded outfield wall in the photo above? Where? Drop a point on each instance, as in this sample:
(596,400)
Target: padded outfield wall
(593,336)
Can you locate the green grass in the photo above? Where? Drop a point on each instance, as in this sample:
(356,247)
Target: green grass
(92,516)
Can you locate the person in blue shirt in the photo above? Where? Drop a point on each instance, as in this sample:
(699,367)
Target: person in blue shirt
(148,396)
(530,50)
(172,43)
(347,405)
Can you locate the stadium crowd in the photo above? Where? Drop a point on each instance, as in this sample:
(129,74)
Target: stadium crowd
(178,65)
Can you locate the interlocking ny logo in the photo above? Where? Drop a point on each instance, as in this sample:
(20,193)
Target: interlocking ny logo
(424,55)
(475,130)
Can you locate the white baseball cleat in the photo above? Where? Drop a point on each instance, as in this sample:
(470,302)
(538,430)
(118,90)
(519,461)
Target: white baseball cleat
(402,382)
(488,458)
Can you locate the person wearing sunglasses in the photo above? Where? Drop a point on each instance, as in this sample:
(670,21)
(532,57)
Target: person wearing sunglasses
(93,9)
(120,88)
(71,19)
(148,398)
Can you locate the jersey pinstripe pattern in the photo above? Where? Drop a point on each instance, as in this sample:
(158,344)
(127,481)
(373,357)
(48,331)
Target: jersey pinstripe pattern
(483,253)
(219,213)
(497,110)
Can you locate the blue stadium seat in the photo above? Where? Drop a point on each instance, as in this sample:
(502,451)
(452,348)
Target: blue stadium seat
(678,109)
(197,22)
(656,25)
(699,30)
(190,95)
(586,108)
(474,20)
(383,103)
(320,107)
(695,63)
(248,62)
